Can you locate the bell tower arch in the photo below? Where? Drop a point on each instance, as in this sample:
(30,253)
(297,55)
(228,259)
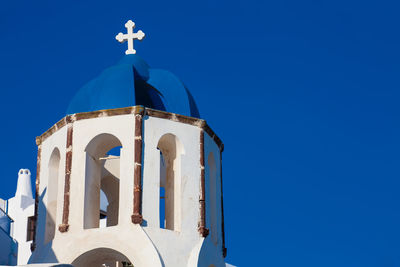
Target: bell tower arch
(134,175)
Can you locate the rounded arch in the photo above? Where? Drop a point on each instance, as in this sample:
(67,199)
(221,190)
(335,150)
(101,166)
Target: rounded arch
(52,194)
(170,143)
(102,171)
(171,150)
(133,243)
(102,143)
(100,257)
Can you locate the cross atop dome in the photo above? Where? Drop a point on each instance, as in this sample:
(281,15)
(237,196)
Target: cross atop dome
(130,36)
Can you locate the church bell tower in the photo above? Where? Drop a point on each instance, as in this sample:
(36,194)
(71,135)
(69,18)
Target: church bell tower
(131,176)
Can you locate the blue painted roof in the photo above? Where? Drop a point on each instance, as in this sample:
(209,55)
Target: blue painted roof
(130,83)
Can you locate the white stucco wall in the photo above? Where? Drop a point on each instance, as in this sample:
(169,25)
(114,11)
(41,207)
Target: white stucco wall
(145,245)
(172,243)
(134,242)
(213,203)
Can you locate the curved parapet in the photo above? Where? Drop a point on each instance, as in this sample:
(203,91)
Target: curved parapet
(132,246)
(206,254)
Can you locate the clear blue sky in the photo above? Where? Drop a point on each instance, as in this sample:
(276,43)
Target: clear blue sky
(304,94)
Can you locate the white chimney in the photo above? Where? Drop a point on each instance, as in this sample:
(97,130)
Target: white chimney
(24,186)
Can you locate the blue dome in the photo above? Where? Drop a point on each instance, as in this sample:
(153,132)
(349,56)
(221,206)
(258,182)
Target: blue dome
(130,83)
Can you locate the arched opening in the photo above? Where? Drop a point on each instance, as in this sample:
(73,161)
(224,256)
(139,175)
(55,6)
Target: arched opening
(163,173)
(102,257)
(52,194)
(171,151)
(110,188)
(212,182)
(103,209)
(102,176)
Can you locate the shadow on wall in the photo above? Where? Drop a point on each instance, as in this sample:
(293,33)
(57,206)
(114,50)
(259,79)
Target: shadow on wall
(43,252)
(8,246)
(8,249)
(52,189)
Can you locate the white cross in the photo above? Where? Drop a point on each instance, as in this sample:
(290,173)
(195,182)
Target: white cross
(130,36)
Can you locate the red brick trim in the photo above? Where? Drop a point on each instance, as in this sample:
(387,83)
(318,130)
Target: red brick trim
(68,166)
(134,110)
(202,199)
(137,217)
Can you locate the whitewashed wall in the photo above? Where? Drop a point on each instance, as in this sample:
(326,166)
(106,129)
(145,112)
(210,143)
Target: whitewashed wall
(145,245)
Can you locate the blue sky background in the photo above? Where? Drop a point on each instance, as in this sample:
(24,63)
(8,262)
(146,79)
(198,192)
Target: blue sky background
(304,95)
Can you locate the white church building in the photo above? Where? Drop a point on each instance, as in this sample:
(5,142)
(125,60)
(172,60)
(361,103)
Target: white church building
(131,176)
